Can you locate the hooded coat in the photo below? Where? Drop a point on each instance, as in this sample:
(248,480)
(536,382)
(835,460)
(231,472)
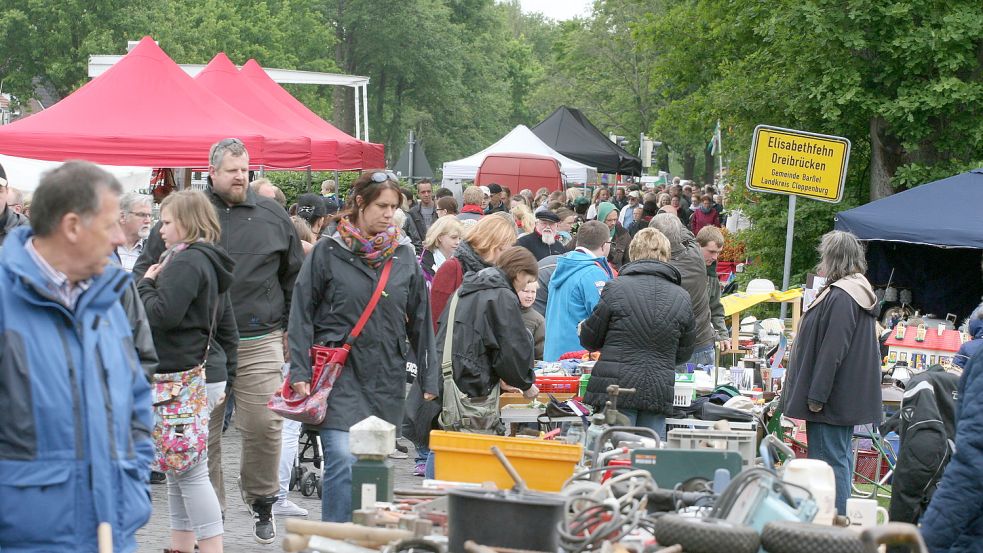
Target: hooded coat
(75,444)
(953,522)
(9,220)
(181,304)
(332,290)
(836,359)
(574,290)
(490,343)
(974,346)
(643,327)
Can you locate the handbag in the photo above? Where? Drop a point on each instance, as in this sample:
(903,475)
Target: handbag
(326,365)
(180,402)
(460,413)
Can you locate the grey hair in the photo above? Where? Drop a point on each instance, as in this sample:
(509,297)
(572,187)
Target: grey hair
(231,146)
(840,254)
(669,225)
(72,187)
(131,200)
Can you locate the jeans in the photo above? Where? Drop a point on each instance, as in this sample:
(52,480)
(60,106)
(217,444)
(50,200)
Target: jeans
(831,443)
(647,419)
(422,452)
(703,355)
(257,378)
(336,479)
(430,471)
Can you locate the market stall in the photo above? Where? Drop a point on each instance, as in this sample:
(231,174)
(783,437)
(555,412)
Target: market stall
(569,132)
(928,241)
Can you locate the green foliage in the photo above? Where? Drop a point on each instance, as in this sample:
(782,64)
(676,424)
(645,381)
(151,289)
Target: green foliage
(294,183)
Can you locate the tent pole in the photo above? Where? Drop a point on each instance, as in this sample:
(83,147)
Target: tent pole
(412,143)
(358,114)
(365,109)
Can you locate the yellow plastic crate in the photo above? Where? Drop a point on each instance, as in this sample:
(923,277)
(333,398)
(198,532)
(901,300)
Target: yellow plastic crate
(463,457)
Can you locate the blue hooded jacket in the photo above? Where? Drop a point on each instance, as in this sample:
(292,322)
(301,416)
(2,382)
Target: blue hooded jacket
(972,347)
(75,445)
(574,290)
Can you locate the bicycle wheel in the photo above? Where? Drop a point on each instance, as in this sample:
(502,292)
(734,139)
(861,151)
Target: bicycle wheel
(801,537)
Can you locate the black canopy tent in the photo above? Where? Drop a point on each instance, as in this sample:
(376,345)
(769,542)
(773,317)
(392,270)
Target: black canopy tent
(421,165)
(931,236)
(568,132)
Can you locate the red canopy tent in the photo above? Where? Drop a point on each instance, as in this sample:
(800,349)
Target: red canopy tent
(222,77)
(146,111)
(352,153)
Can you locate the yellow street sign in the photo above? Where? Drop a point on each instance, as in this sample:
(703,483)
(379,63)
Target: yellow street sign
(784,161)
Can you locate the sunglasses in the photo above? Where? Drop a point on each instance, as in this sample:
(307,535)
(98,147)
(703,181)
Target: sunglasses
(229,142)
(383,176)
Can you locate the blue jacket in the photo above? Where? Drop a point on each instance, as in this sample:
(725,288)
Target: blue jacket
(75,445)
(972,347)
(574,290)
(953,522)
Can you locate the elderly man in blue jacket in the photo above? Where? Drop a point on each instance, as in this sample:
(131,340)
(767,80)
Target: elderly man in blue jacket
(75,444)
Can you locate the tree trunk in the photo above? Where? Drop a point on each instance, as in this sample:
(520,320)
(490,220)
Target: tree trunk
(886,155)
(689,166)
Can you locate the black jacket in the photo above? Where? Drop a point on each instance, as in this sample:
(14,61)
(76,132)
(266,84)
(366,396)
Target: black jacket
(643,327)
(262,241)
(9,220)
(534,243)
(490,343)
(332,290)
(927,432)
(180,304)
(835,361)
(416,225)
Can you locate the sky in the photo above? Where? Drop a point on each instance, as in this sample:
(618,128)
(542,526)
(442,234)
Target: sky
(557,9)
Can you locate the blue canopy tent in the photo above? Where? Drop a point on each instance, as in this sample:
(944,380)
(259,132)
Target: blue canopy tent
(932,237)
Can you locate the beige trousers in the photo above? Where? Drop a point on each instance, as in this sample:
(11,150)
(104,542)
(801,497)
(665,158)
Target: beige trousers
(258,377)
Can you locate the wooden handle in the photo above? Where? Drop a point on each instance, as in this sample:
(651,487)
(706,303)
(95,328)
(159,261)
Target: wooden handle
(520,484)
(105,537)
(294,543)
(347,531)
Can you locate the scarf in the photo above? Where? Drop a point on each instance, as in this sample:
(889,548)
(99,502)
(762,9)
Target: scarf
(603,210)
(374,250)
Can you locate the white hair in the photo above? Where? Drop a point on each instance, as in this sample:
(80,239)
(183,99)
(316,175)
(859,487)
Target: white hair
(840,254)
(669,225)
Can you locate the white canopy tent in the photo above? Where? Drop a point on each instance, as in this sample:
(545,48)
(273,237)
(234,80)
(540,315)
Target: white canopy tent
(519,139)
(25,174)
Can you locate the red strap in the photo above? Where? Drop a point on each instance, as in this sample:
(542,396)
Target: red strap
(383,279)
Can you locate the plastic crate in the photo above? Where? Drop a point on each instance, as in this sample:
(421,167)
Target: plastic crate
(865,470)
(558,384)
(697,424)
(682,394)
(463,457)
(740,441)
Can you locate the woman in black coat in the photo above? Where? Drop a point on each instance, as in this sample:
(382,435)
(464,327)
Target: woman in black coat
(643,327)
(332,290)
(834,376)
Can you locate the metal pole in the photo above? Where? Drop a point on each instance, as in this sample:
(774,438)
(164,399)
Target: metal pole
(365,109)
(720,152)
(412,143)
(358,114)
(789,232)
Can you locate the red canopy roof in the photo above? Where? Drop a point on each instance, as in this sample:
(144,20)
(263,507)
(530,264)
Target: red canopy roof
(352,153)
(146,111)
(222,77)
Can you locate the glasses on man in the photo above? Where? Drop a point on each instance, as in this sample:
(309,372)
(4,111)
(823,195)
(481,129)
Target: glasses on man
(142,214)
(383,176)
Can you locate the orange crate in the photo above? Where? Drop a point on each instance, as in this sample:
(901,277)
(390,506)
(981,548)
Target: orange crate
(867,466)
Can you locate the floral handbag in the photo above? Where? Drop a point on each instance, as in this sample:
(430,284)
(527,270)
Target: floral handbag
(180,419)
(180,403)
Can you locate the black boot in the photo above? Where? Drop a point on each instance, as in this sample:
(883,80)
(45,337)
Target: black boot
(264,526)
(157,477)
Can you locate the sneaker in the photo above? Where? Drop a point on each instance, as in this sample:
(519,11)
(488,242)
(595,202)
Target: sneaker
(157,477)
(286,508)
(264,524)
(397,454)
(420,469)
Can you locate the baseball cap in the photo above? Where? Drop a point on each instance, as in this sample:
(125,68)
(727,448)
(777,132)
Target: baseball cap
(485,190)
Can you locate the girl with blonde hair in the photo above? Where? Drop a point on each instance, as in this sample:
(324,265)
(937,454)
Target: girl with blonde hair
(524,219)
(441,242)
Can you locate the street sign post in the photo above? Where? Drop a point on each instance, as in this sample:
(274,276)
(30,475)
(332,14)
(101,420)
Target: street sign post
(797,163)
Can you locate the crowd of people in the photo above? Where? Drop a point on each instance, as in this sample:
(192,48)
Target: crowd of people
(128,342)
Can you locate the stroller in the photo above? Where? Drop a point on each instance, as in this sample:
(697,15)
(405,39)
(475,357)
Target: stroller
(306,480)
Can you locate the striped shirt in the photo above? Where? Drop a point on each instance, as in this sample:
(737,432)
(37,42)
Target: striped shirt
(62,289)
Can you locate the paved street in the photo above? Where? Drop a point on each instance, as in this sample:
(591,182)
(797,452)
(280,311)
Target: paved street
(238,524)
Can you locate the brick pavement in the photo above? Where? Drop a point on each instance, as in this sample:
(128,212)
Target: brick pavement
(155,536)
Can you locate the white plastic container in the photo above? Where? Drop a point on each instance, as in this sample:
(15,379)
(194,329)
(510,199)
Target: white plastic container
(817,477)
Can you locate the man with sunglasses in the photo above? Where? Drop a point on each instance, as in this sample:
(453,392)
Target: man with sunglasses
(260,237)
(9,219)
